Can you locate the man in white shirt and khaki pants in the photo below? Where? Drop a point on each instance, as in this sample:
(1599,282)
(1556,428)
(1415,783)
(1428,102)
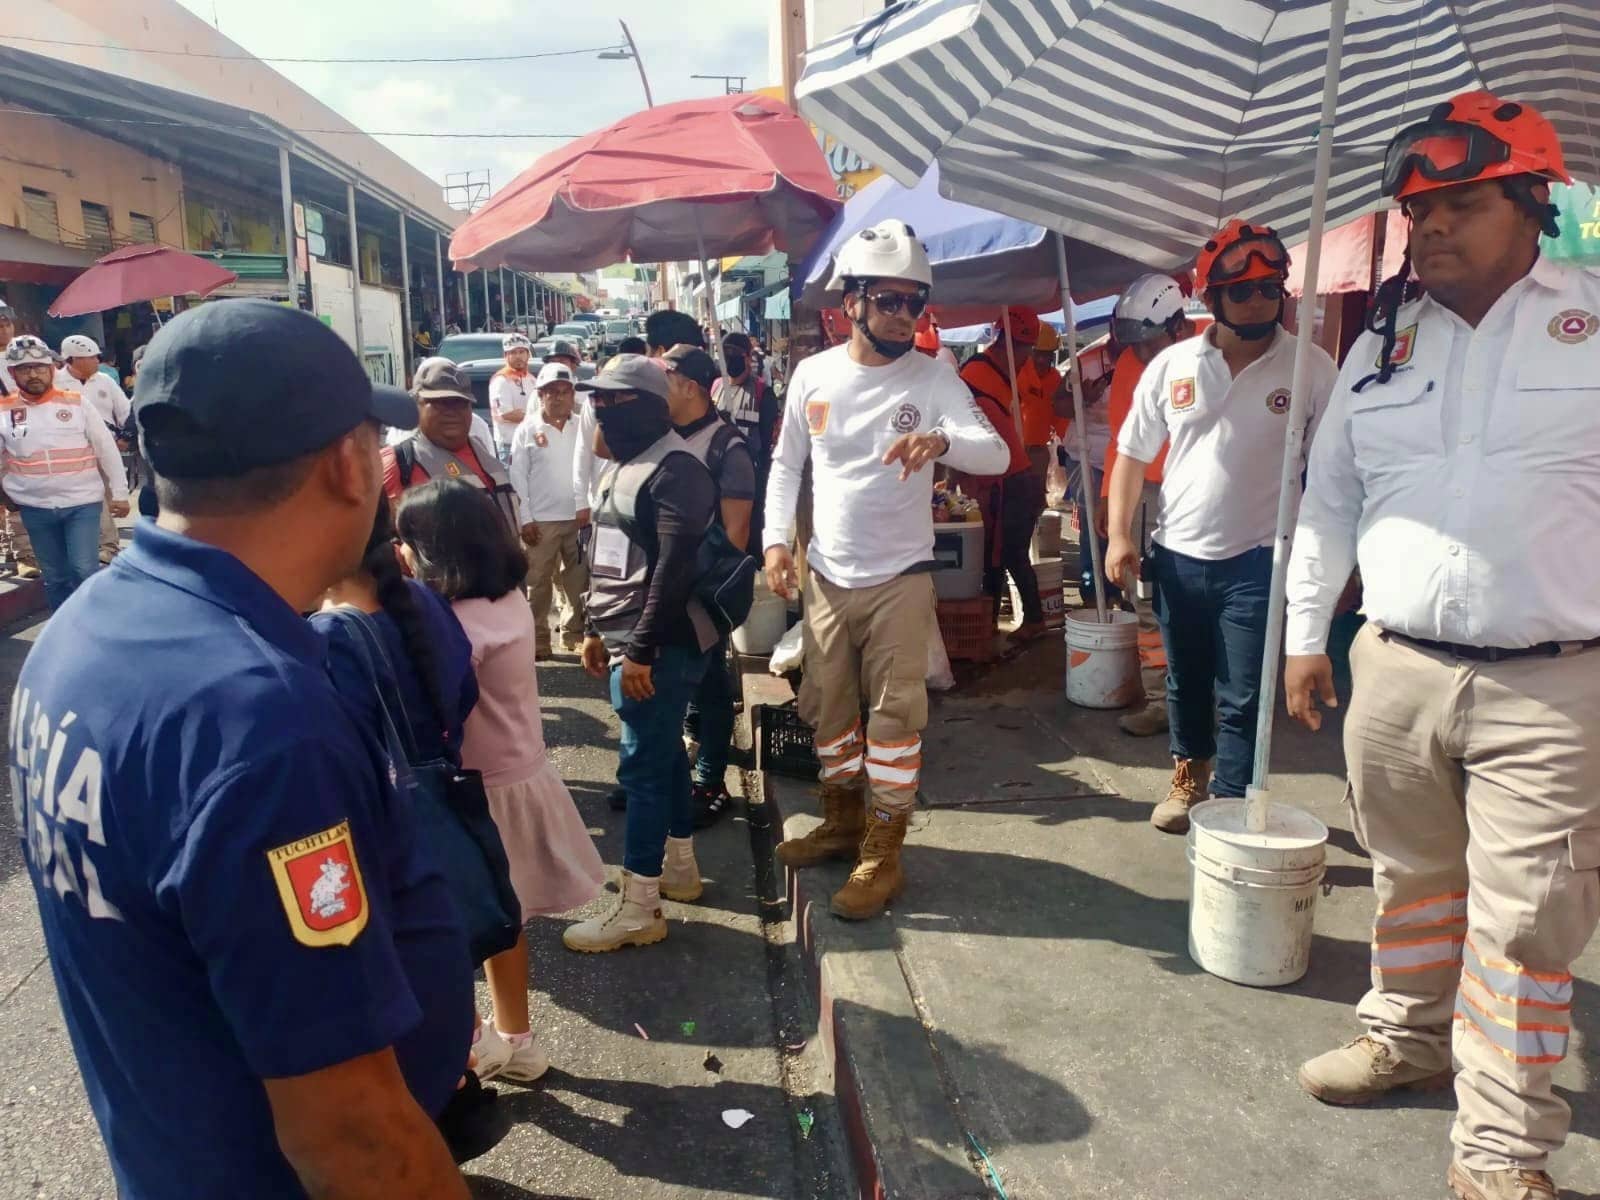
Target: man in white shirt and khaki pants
(870,415)
(1459,464)
(542,452)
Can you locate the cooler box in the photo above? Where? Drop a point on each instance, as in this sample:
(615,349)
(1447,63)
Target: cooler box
(958,549)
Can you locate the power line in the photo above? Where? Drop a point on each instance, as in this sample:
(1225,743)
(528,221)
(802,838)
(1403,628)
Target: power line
(257,130)
(268,58)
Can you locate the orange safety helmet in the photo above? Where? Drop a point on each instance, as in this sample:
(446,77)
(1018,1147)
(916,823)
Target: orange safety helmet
(927,337)
(1267,258)
(1475,136)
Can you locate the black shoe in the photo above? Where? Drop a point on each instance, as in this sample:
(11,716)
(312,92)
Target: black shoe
(473,1122)
(709,804)
(617,798)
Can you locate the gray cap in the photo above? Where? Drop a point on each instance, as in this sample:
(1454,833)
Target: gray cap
(629,373)
(438,377)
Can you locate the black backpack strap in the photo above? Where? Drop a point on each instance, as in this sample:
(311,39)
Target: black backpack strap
(405,457)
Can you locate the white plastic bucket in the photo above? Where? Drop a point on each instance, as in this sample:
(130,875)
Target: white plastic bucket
(1103,659)
(1253,896)
(764,626)
(1051,598)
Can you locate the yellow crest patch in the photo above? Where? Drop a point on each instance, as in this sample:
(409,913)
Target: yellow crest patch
(319,882)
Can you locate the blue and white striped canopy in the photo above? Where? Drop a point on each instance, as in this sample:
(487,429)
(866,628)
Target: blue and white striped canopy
(1143,125)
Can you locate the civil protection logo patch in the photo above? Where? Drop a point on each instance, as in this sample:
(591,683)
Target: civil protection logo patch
(1278,401)
(817,416)
(1405,342)
(1182,394)
(1573,325)
(319,883)
(906,418)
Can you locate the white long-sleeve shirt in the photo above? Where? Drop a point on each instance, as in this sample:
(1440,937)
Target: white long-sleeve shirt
(868,525)
(541,468)
(109,400)
(56,452)
(587,467)
(1224,471)
(1468,486)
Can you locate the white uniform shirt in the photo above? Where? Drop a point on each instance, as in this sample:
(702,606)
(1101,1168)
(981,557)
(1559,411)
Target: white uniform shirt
(541,468)
(869,525)
(509,391)
(587,467)
(109,400)
(1468,486)
(57,453)
(1219,490)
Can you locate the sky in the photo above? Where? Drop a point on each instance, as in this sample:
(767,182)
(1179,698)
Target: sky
(567,95)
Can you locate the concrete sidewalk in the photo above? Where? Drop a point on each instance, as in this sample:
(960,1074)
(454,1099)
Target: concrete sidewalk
(1030,998)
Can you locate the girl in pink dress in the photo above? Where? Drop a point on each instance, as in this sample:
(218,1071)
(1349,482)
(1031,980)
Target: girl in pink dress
(455,540)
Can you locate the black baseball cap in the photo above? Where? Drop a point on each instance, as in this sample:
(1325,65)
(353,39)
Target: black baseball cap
(694,364)
(235,385)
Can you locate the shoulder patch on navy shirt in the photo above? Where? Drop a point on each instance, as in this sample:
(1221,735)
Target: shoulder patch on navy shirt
(319,882)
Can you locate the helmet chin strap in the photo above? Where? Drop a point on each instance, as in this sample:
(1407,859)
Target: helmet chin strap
(1255,331)
(887,349)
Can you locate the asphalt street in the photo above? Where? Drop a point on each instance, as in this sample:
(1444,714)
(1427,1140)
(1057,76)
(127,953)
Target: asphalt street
(650,1046)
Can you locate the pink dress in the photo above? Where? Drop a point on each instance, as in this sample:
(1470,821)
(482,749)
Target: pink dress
(554,864)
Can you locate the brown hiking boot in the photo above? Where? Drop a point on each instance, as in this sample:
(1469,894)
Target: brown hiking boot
(1518,1183)
(1145,722)
(844,820)
(877,878)
(1190,778)
(1363,1070)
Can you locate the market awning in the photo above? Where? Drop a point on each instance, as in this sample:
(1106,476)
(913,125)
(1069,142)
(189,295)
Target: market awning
(1347,255)
(27,259)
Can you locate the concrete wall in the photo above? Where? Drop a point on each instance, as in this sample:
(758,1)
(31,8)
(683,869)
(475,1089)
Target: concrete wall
(73,166)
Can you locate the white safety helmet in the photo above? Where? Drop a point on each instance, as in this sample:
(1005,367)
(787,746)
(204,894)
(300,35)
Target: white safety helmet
(888,250)
(1146,308)
(25,348)
(514,341)
(78,346)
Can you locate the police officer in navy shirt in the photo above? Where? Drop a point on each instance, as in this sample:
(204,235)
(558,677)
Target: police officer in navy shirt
(262,975)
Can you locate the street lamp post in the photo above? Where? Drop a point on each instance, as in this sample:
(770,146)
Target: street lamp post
(649,102)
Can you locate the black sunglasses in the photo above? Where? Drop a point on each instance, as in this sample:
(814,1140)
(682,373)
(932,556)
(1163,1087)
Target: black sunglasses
(890,303)
(1267,289)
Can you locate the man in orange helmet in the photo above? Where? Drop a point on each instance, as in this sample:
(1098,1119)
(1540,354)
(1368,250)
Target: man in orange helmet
(1221,402)
(1459,466)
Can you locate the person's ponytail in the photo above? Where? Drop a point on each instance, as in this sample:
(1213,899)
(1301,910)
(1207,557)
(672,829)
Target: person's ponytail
(398,601)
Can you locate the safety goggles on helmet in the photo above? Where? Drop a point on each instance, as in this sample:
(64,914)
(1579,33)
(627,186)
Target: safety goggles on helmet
(26,349)
(890,303)
(1441,152)
(1263,256)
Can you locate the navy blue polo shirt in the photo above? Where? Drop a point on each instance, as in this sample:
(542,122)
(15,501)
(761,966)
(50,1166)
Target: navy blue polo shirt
(228,880)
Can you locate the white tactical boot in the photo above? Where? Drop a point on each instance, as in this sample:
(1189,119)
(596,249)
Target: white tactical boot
(634,919)
(680,874)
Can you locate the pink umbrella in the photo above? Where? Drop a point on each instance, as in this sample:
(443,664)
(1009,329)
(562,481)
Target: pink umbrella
(731,175)
(134,273)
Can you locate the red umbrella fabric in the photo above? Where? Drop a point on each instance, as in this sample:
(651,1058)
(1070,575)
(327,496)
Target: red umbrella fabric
(135,273)
(742,171)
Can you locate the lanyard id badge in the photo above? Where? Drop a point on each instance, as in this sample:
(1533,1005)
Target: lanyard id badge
(610,559)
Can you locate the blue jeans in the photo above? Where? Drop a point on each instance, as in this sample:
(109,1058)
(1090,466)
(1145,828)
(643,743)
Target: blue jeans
(1088,582)
(66,541)
(711,718)
(653,768)
(1214,625)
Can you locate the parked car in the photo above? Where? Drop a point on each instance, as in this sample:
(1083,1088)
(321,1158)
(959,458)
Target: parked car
(480,356)
(615,331)
(582,332)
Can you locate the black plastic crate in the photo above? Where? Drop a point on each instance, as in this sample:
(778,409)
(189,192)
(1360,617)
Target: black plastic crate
(785,744)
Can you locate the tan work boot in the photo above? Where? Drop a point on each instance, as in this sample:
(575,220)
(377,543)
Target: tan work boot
(1518,1183)
(634,919)
(877,878)
(844,821)
(1145,722)
(1190,778)
(680,874)
(1365,1069)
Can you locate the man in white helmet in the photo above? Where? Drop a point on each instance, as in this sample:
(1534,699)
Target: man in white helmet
(870,415)
(57,459)
(1149,317)
(509,392)
(83,375)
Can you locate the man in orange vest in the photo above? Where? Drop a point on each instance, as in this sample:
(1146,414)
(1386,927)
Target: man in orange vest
(1021,489)
(1148,318)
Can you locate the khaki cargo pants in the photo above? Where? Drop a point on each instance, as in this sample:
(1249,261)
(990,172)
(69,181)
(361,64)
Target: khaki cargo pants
(1476,789)
(870,642)
(556,559)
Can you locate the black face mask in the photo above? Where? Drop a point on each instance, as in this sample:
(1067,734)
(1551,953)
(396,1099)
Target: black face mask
(736,365)
(631,429)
